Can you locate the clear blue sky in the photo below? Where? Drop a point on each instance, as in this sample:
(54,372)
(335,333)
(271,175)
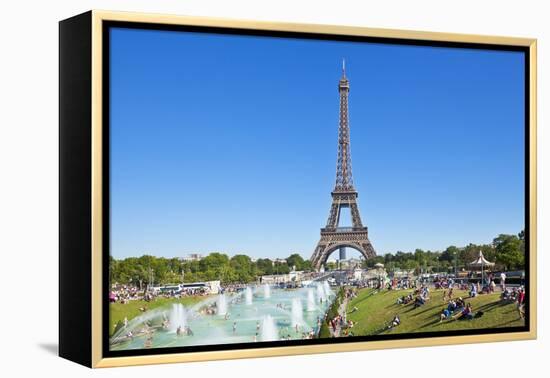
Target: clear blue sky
(228,143)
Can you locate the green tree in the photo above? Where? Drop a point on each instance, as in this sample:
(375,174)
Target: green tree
(280,268)
(421,261)
(509,251)
(213,261)
(307,266)
(521,237)
(242,267)
(370,263)
(264,266)
(449,254)
(295,260)
(409,265)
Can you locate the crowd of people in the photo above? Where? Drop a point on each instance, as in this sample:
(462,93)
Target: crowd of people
(516,295)
(455,308)
(418,297)
(126,293)
(339,325)
(459,309)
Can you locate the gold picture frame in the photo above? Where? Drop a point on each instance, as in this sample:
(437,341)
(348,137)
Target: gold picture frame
(93,263)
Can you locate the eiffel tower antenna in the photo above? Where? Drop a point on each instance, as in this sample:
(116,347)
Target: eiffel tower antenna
(344,67)
(344,179)
(344,195)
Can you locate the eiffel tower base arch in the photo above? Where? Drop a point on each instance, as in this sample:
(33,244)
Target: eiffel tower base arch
(332,241)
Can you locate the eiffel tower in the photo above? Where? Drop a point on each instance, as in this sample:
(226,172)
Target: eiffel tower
(344,195)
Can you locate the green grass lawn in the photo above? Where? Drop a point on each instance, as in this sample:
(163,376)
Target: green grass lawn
(375,309)
(119,311)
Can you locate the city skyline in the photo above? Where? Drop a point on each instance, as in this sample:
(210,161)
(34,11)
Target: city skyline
(239,157)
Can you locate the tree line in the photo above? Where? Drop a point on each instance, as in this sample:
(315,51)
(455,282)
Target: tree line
(240,268)
(507,251)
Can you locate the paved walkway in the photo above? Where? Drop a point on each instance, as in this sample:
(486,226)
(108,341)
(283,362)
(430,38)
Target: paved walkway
(342,313)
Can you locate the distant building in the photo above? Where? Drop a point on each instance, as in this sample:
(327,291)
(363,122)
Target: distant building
(403,273)
(351,263)
(271,279)
(192,257)
(280,261)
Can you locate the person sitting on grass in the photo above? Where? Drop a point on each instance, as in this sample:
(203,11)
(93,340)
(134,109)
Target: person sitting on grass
(460,304)
(452,306)
(419,301)
(466,313)
(445,314)
(395,322)
(405,299)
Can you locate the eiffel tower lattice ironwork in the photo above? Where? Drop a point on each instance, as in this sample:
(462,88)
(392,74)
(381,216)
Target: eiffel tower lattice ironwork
(344,195)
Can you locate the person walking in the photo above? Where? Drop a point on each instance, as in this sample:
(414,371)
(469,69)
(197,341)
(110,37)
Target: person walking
(503,281)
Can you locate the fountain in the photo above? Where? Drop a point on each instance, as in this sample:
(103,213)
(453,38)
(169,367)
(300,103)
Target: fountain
(328,290)
(177,317)
(263,320)
(248,295)
(267,291)
(138,322)
(296,316)
(310,300)
(321,294)
(221,304)
(269,330)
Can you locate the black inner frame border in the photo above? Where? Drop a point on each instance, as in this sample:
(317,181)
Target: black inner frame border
(106,27)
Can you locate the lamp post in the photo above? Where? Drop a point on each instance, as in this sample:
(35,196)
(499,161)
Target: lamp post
(456,264)
(482,281)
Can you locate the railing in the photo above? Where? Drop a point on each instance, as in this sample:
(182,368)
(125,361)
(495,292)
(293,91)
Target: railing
(344,229)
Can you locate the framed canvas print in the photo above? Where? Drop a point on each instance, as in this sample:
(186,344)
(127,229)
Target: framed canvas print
(209,207)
